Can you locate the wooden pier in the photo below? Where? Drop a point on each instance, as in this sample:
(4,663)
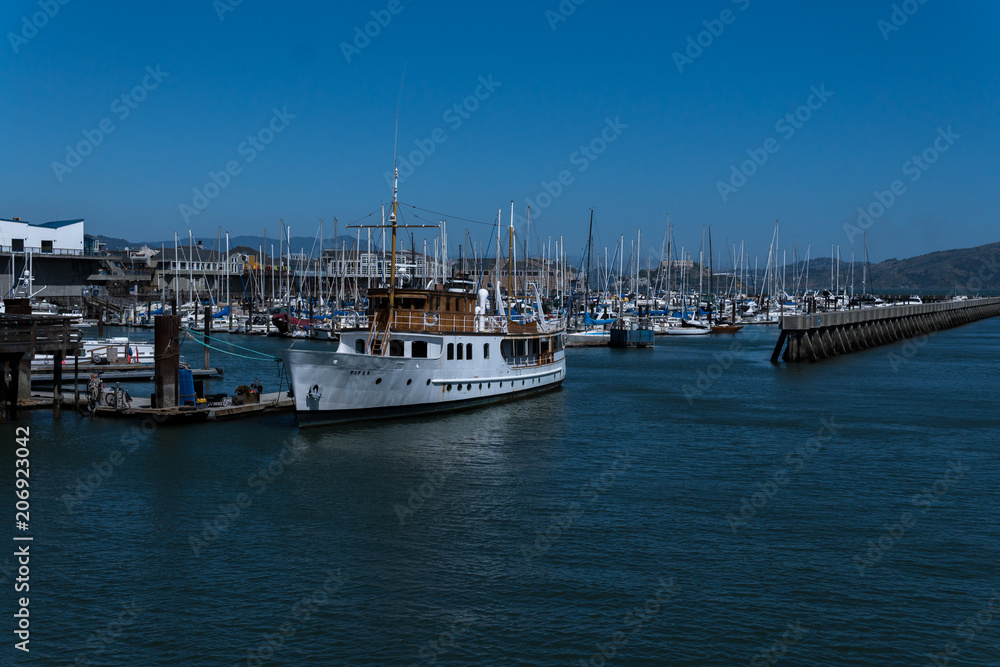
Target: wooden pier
(23,334)
(822,335)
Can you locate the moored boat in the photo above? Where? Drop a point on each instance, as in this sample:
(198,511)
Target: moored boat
(426,351)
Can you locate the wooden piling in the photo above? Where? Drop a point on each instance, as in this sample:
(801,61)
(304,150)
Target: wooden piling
(57,362)
(208,332)
(166,356)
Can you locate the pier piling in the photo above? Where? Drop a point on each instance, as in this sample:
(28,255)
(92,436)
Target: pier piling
(166,357)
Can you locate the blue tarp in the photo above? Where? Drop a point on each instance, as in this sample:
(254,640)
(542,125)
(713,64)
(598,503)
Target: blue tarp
(587,319)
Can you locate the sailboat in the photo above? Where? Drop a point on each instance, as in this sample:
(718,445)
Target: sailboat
(426,351)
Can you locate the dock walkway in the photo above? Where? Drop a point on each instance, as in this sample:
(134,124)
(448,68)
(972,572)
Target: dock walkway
(822,335)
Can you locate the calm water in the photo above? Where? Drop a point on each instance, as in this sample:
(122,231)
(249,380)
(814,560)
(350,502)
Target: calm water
(690,505)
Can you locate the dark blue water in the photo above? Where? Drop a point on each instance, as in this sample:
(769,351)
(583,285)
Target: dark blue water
(690,505)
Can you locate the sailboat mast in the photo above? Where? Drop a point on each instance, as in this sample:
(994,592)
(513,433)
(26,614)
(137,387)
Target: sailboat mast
(510,273)
(586,278)
(392,264)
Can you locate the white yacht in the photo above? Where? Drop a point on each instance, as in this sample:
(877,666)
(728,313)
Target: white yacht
(425,351)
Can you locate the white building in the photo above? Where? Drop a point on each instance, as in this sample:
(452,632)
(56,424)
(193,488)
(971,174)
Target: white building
(61,237)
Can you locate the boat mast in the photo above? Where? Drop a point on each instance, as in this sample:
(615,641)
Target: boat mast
(392,219)
(510,273)
(586,278)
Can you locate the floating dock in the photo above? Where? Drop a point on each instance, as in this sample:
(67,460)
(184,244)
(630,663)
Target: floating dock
(270,403)
(823,335)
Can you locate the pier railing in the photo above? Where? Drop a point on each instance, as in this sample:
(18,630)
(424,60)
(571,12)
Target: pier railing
(822,335)
(842,317)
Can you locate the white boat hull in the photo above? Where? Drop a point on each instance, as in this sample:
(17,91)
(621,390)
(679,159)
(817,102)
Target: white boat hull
(339,386)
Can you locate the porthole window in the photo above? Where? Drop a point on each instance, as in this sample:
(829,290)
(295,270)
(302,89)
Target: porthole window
(378,380)
(409,382)
(428,382)
(449,387)
(469,387)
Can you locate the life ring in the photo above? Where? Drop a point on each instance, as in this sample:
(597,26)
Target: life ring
(430,319)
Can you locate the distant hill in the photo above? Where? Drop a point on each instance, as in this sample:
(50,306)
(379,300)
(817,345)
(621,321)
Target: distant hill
(967,270)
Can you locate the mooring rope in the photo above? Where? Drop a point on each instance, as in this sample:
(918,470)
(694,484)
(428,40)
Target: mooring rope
(260,356)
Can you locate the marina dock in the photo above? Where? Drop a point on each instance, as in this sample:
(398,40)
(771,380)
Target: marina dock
(269,403)
(22,335)
(823,335)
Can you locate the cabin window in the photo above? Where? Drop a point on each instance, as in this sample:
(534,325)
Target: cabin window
(486,350)
(437,303)
(519,348)
(451,351)
(46,246)
(460,346)
(507,348)
(17,245)
(359,346)
(468,351)
(396,348)
(419,349)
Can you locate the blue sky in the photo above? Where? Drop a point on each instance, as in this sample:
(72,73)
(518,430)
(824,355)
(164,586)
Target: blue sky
(323,118)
